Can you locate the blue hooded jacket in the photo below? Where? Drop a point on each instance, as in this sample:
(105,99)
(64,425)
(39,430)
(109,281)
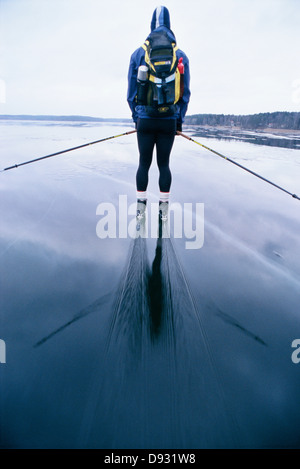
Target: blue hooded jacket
(160,21)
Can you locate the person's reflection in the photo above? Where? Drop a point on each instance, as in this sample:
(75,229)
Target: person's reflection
(156,287)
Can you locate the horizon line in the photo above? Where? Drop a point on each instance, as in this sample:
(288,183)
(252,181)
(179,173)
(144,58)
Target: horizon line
(129,119)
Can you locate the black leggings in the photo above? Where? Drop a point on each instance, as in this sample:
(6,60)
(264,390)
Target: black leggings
(151,132)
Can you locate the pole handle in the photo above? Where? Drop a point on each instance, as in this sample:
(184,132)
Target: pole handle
(183,135)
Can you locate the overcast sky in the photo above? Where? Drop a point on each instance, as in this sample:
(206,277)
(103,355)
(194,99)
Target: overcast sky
(72,56)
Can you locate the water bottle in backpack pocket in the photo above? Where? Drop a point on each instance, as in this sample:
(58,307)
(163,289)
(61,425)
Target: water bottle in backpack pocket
(142,85)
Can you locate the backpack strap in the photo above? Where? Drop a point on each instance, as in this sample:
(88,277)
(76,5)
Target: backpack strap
(145,46)
(175,48)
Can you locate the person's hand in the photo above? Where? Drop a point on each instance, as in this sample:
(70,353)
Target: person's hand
(179,126)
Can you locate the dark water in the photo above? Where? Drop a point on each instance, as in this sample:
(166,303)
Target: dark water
(284,139)
(140,342)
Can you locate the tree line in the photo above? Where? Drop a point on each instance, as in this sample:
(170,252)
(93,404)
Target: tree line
(275,120)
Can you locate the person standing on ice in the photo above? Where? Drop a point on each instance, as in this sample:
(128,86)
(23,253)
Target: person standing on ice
(158,96)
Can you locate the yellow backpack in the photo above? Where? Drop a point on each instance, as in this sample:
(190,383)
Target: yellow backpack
(163,86)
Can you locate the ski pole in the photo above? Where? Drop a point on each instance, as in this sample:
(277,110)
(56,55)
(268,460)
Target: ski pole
(239,165)
(65,151)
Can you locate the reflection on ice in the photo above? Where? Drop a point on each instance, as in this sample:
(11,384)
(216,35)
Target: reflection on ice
(191,348)
(230,320)
(152,323)
(92,308)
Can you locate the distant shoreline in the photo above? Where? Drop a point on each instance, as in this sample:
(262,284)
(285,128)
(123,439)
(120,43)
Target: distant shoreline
(62,118)
(266,122)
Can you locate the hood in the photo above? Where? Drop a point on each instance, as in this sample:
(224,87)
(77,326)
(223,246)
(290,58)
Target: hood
(160,17)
